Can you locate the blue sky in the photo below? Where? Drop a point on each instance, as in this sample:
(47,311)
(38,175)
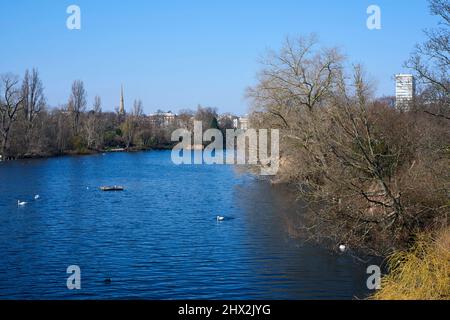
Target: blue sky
(178,54)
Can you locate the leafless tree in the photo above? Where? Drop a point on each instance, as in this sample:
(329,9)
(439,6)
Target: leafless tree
(132,123)
(97,107)
(431,60)
(293,84)
(138,109)
(10,103)
(63,130)
(33,95)
(355,162)
(93,126)
(301,75)
(77,103)
(33,103)
(185,119)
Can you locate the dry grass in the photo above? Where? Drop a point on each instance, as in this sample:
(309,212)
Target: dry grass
(421,273)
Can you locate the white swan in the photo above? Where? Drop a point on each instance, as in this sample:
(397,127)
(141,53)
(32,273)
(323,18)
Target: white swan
(342,248)
(36,197)
(219,218)
(21,203)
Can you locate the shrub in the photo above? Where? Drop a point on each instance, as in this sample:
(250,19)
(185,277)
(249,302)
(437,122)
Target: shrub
(420,273)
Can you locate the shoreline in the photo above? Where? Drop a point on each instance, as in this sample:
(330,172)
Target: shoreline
(86,153)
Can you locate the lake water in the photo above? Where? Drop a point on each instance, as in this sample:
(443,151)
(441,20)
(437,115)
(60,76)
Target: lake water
(159,239)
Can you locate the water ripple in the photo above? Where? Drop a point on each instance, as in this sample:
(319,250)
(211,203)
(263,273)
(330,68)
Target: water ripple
(158,239)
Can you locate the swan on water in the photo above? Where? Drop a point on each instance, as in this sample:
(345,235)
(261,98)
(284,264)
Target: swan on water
(342,248)
(21,203)
(219,218)
(36,197)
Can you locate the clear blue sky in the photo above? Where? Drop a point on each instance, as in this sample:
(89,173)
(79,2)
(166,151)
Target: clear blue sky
(177,54)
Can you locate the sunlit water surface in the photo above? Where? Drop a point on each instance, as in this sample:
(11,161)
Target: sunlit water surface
(159,239)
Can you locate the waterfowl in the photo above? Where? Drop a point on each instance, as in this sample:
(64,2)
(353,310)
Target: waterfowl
(21,203)
(342,248)
(36,197)
(219,218)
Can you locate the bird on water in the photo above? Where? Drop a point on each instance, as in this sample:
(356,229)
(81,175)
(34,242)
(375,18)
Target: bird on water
(21,203)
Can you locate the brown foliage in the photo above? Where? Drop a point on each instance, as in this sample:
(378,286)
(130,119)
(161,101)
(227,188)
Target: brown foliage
(372,175)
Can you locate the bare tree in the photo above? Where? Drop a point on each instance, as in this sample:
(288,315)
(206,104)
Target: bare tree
(33,103)
(97,107)
(33,95)
(132,123)
(10,103)
(185,118)
(301,74)
(128,130)
(77,103)
(293,84)
(93,124)
(63,128)
(138,109)
(355,162)
(431,60)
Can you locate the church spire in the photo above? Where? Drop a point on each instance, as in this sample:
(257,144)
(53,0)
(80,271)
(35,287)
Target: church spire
(122,105)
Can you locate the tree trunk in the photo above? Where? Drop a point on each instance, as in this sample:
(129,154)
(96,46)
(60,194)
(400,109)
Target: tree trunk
(3,148)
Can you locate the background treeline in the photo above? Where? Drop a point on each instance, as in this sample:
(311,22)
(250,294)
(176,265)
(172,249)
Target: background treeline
(28,128)
(373,175)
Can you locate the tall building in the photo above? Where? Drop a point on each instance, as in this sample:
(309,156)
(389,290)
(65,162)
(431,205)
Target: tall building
(122,105)
(404,90)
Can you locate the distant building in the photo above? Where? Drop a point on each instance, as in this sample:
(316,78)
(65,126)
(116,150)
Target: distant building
(404,91)
(163,118)
(240,123)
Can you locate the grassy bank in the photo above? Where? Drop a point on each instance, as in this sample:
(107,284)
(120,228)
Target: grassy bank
(420,273)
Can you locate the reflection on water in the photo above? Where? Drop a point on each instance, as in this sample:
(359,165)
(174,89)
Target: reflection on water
(159,239)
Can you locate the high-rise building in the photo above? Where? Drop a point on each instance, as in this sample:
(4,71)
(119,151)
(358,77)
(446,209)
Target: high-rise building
(404,91)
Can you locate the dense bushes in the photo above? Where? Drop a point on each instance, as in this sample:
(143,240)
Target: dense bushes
(372,175)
